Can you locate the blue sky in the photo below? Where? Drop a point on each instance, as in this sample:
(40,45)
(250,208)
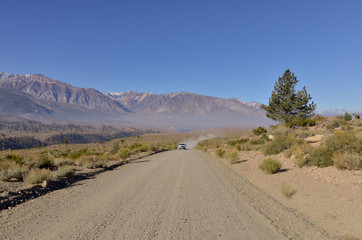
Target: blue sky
(217,48)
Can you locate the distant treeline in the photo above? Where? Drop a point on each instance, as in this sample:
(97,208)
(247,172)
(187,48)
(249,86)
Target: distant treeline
(20,143)
(68,138)
(60,134)
(36,127)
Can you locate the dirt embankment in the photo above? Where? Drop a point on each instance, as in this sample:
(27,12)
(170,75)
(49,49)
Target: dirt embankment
(330,198)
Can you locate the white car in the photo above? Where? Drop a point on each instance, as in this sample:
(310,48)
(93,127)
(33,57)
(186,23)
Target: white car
(182,146)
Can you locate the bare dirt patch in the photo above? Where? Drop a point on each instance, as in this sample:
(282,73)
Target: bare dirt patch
(328,197)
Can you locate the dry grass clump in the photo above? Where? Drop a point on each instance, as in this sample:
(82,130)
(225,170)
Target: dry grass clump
(62,172)
(287,190)
(37,176)
(14,172)
(91,162)
(59,162)
(232,156)
(40,161)
(347,160)
(300,158)
(270,166)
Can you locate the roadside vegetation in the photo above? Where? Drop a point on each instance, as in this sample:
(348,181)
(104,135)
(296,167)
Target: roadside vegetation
(307,139)
(34,166)
(318,145)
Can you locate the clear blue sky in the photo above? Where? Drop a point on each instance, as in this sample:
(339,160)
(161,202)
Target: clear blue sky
(221,48)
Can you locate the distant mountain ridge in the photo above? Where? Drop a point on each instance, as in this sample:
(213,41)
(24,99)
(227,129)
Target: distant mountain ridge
(177,108)
(48,89)
(183,103)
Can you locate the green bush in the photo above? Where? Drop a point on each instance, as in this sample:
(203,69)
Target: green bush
(259,141)
(220,152)
(270,165)
(280,143)
(78,154)
(347,160)
(238,141)
(300,122)
(16,159)
(258,131)
(124,153)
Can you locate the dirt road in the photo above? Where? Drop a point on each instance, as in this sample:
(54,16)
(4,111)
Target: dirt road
(171,195)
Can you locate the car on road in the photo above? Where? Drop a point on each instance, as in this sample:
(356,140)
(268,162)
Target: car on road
(182,146)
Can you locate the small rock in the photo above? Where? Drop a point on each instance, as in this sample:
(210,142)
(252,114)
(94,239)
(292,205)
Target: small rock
(45,184)
(271,137)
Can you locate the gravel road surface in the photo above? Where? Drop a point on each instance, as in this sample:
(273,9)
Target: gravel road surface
(171,195)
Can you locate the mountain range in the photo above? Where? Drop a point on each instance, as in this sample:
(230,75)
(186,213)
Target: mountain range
(39,97)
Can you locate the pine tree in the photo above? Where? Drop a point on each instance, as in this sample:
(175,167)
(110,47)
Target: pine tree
(286,105)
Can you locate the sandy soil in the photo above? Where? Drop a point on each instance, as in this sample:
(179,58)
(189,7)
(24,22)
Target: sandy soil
(328,197)
(171,195)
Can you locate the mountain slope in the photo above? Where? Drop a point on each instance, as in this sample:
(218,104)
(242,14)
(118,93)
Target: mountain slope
(52,90)
(43,96)
(184,104)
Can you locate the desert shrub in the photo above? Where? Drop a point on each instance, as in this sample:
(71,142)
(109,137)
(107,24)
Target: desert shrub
(78,154)
(114,149)
(299,157)
(91,162)
(238,141)
(300,122)
(342,141)
(320,157)
(124,153)
(347,160)
(143,147)
(63,162)
(319,118)
(232,156)
(287,190)
(246,147)
(280,143)
(37,176)
(259,130)
(41,161)
(16,159)
(257,141)
(62,172)
(14,172)
(270,165)
(335,123)
(220,153)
